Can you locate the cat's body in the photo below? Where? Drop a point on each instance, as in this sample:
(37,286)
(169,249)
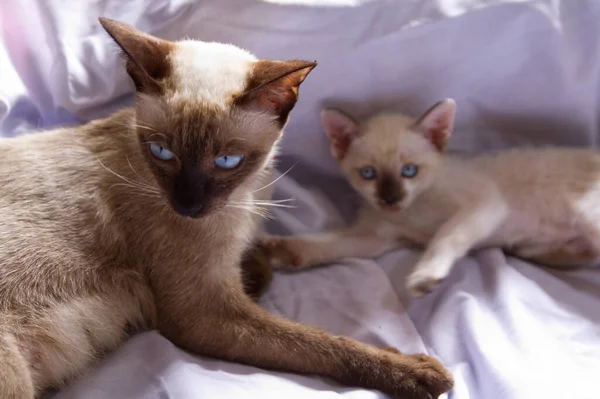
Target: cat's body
(142,220)
(90,283)
(539,204)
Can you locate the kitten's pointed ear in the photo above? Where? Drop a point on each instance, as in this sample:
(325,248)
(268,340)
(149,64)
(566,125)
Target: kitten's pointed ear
(147,62)
(437,122)
(272,86)
(341,129)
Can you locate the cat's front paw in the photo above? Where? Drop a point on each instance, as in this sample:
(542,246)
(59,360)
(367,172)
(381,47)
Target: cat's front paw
(282,252)
(421,283)
(412,376)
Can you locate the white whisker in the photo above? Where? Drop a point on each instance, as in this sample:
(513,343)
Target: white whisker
(144,187)
(265,204)
(255,210)
(275,180)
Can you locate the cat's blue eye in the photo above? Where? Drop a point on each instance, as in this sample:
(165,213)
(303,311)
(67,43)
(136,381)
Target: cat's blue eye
(410,170)
(161,152)
(368,173)
(228,161)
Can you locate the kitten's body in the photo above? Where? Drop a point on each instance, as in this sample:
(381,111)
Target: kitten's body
(140,221)
(539,204)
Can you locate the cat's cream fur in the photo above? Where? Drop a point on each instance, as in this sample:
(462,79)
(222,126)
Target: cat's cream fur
(539,204)
(98,235)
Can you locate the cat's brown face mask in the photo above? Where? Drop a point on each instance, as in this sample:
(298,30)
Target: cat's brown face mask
(208,114)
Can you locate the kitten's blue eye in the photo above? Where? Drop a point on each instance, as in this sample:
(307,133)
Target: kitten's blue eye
(161,152)
(410,170)
(368,173)
(228,161)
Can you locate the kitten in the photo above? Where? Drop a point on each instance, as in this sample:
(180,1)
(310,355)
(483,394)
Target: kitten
(538,204)
(142,219)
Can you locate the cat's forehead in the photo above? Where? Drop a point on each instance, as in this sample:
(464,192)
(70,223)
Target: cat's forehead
(194,121)
(208,73)
(393,135)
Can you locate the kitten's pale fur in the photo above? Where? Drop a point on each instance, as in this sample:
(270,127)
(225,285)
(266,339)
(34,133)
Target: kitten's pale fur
(539,204)
(98,233)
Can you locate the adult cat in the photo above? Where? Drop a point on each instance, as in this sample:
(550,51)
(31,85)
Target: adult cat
(141,219)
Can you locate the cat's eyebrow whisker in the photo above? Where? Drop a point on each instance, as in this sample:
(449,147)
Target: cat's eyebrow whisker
(275,180)
(146,185)
(161,135)
(128,136)
(141,126)
(127,180)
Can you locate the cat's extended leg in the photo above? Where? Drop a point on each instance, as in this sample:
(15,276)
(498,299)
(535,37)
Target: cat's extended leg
(469,226)
(312,249)
(232,327)
(15,377)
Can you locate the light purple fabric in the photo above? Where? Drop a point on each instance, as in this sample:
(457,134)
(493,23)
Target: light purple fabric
(522,73)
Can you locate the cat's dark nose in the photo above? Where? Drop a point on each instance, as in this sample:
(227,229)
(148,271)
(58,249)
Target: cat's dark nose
(188,211)
(389,190)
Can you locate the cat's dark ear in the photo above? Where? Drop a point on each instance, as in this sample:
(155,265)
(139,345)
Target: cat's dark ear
(437,123)
(146,55)
(341,129)
(272,87)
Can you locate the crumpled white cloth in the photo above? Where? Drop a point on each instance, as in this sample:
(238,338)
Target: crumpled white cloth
(522,73)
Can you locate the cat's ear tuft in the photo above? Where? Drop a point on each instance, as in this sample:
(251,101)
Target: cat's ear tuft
(341,129)
(272,87)
(437,123)
(147,56)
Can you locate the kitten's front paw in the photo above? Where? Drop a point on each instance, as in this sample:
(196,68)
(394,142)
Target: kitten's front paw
(281,251)
(419,284)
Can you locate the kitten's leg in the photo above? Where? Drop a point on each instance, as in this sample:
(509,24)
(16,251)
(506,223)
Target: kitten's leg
(312,249)
(469,226)
(15,377)
(232,327)
(578,252)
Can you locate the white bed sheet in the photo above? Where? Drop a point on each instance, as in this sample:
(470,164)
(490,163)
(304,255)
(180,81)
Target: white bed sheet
(522,72)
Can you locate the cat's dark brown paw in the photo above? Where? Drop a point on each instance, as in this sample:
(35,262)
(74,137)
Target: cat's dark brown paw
(412,376)
(429,376)
(281,251)
(257,272)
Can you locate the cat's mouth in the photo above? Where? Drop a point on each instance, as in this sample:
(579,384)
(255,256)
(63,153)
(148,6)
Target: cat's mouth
(192,211)
(390,207)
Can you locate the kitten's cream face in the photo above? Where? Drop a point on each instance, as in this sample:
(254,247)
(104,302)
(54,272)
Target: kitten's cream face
(208,115)
(391,158)
(387,146)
